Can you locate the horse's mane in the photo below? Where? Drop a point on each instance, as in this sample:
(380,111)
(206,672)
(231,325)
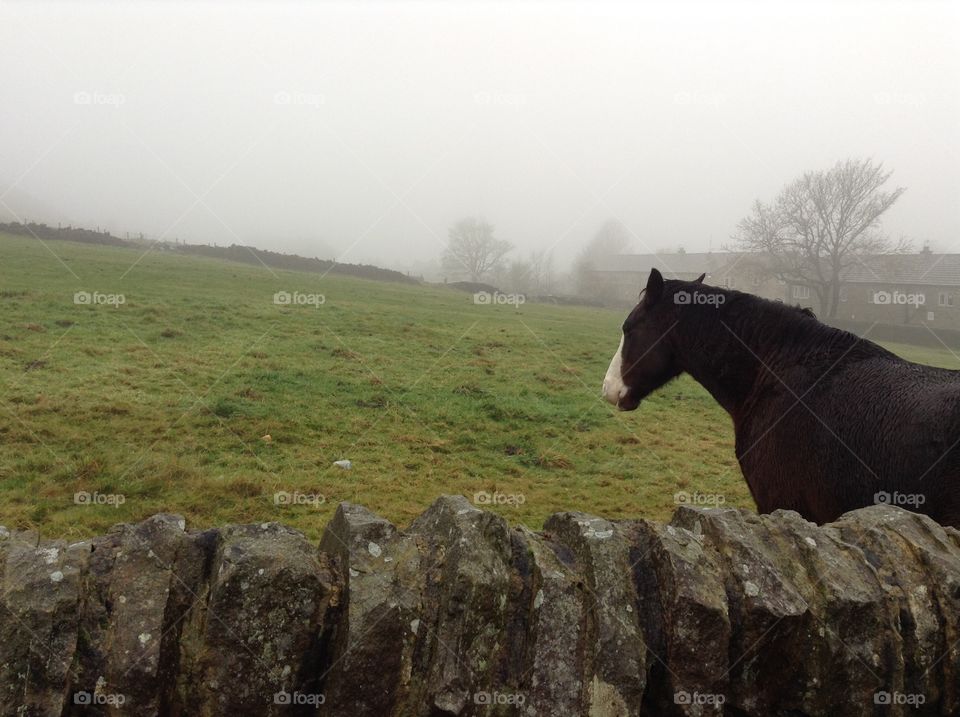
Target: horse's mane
(775,322)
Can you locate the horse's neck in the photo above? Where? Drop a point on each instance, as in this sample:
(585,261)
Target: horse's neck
(727,365)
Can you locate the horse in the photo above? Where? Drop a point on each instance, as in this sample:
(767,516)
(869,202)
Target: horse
(825,421)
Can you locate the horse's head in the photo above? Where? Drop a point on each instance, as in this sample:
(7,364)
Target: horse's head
(644,360)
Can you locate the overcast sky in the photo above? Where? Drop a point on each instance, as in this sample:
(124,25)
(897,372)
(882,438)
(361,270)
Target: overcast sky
(364,130)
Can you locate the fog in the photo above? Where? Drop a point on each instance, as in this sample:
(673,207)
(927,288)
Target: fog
(363,131)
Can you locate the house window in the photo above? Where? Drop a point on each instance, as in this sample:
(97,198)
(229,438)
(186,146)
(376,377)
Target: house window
(945,299)
(844,294)
(800,292)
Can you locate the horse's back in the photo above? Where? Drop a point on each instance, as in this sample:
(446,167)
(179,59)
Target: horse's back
(852,434)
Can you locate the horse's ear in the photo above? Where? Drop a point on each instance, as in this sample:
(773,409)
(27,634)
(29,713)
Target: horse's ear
(700,279)
(654,288)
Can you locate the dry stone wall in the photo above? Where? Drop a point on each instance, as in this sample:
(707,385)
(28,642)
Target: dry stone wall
(718,612)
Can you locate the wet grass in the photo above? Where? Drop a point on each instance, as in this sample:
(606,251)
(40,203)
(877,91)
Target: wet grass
(166,399)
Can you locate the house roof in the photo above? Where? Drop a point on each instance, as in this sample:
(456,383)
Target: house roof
(924,268)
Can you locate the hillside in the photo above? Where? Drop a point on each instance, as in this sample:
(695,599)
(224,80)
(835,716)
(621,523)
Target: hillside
(158,399)
(234,252)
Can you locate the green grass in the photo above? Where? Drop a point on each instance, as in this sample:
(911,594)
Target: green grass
(165,399)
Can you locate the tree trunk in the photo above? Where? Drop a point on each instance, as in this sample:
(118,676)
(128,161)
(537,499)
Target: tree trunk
(834,298)
(823,298)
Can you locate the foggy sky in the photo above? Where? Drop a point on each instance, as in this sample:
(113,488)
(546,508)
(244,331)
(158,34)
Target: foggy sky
(362,131)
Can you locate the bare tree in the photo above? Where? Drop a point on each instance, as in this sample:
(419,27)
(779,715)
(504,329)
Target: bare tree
(612,238)
(473,251)
(820,225)
(532,276)
(541,271)
(515,277)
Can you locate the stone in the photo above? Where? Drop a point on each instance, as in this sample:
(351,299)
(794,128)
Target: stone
(717,612)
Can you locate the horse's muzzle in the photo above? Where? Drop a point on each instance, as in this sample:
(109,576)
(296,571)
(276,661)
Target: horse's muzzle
(618,394)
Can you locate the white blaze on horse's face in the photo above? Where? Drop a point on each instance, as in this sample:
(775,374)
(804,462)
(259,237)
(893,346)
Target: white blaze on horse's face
(613,387)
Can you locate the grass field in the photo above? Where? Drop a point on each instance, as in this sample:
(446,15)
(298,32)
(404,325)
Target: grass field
(161,403)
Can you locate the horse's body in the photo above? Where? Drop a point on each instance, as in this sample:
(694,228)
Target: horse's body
(825,422)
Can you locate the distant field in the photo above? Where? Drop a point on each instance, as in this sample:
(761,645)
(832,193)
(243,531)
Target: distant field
(164,400)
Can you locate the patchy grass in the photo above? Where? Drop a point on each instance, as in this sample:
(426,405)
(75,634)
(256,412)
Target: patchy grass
(167,400)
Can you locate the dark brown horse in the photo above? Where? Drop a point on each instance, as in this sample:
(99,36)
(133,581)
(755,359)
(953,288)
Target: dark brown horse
(825,421)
